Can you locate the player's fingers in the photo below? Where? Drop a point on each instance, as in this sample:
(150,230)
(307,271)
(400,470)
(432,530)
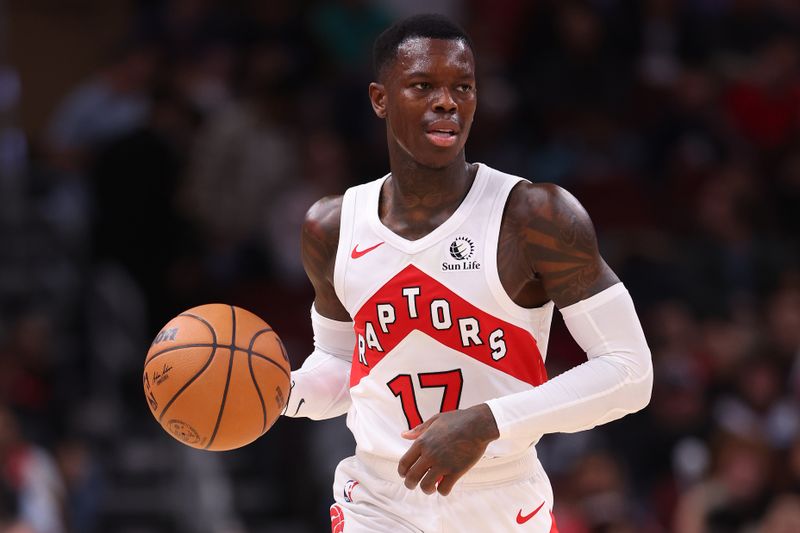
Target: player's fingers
(415,432)
(446,484)
(429,481)
(415,473)
(408,459)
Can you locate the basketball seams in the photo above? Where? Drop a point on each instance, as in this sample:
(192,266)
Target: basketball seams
(253,376)
(227,379)
(180,347)
(271,360)
(198,376)
(198,345)
(186,385)
(199,372)
(212,345)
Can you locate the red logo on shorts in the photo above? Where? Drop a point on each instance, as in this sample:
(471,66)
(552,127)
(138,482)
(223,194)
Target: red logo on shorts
(348,490)
(337,519)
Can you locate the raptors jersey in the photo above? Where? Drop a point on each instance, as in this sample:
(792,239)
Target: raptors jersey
(435,329)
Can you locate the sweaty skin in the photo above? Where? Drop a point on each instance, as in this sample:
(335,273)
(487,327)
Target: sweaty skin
(547,248)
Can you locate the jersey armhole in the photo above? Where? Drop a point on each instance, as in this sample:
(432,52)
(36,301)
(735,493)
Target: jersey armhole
(538,318)
(492,241)
(346,225)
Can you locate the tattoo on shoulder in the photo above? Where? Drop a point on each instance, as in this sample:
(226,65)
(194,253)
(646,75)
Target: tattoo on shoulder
(320,237)
(560,243)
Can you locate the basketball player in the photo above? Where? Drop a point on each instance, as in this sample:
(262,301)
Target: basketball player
(435,288)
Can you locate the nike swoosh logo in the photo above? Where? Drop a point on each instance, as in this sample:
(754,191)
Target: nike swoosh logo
(301,402)
(289,399)
(355,254)
(522,519)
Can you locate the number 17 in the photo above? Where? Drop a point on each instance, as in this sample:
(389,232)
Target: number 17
(450,380)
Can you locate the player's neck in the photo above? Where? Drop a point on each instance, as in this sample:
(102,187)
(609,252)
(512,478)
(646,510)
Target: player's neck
(414,186)
(415,199)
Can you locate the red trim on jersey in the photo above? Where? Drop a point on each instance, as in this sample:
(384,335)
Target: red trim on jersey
(522,358)
(553,526)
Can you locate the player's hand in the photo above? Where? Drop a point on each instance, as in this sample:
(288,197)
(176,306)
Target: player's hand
(445,447)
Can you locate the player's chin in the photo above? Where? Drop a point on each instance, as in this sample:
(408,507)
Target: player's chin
(439,158)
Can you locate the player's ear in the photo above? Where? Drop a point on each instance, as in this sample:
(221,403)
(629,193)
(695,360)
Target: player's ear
(377,96)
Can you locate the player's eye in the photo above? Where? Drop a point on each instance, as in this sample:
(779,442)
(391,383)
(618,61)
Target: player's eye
(465,88)
(422,85)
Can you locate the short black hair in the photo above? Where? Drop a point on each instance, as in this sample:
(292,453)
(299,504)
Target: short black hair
(429,25)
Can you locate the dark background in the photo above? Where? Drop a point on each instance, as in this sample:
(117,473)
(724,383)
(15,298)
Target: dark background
(155,155)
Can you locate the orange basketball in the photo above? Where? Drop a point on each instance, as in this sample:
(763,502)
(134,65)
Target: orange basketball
(216,377)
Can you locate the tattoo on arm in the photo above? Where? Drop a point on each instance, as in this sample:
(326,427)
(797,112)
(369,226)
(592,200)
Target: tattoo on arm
(319,242)
(560,245)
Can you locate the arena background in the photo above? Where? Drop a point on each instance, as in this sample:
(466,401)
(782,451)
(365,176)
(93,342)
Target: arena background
(155,155)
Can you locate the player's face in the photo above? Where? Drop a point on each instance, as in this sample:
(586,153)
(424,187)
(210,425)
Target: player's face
(428,99)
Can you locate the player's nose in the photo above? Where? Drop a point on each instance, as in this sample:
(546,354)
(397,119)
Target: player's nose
(443,101)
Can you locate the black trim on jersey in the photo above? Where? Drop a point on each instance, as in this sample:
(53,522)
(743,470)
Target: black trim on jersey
(378,316)
(406,298)
(444,386)
(375,334)
(477,331)
(362,355)
(399,394)
(449,314)
(502,338)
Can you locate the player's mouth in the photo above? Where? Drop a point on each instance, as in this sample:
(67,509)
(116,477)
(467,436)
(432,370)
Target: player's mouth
(443,137)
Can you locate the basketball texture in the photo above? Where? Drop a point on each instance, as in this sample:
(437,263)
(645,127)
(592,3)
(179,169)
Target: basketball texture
(216,377)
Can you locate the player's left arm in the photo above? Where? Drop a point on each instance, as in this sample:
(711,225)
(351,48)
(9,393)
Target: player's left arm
(559,247)
(552,240)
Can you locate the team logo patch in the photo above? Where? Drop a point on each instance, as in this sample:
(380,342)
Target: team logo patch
(462,249)
(348,490)
(337,518)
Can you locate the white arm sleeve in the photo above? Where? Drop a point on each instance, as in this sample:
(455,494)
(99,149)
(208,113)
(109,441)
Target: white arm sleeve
(321,386)
(616,380)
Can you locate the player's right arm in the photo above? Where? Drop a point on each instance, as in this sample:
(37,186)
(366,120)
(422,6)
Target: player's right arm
(320,240)
(321,386)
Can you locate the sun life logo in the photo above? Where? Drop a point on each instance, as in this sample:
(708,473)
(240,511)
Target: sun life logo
(462,248)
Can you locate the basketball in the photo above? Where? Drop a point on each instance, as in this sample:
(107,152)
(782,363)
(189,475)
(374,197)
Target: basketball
(216,377)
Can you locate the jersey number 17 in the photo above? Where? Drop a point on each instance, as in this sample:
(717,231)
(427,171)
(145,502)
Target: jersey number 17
(402,386)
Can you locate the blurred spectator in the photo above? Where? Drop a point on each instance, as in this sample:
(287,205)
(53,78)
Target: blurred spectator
(756,406)
(764,105)
(346,31)
(789,480)
(182,27)
(745,25)
(84,485)
(783,515)
(596,499)
(27,368)
(135,180)
(244,155)
(112,102)
(573,71)
(737,492)
(204,78)
(783,322)
(13,148)
(33,478)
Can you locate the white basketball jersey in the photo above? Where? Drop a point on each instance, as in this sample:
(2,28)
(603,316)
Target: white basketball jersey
(435,329)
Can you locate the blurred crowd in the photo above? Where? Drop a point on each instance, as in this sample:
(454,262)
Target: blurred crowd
(178,174)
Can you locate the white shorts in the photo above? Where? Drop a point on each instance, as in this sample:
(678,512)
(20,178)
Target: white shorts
(504,496)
